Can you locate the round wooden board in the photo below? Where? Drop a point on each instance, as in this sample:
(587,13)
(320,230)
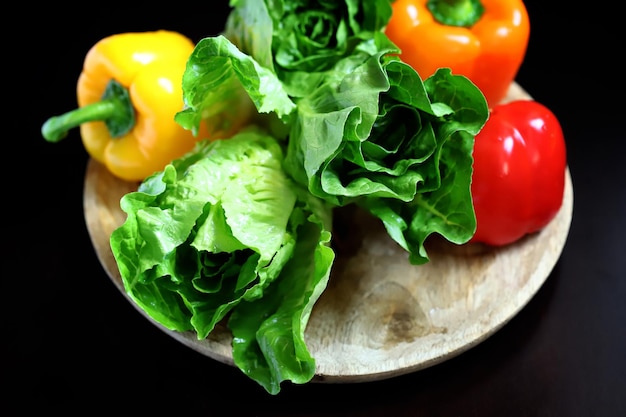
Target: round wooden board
(380,316)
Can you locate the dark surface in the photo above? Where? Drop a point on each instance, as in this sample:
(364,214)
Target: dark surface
(72,343)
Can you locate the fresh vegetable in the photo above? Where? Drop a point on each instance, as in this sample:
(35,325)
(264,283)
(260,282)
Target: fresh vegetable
(366,130)
(519,172)
(400,149)
(300,40)
(224,230)
(128,93)
(485,40)
(240,229)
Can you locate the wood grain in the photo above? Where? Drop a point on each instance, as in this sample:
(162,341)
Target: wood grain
(380,316)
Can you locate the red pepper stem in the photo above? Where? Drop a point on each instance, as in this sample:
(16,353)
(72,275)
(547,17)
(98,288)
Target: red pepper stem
(115,109)
(462,13)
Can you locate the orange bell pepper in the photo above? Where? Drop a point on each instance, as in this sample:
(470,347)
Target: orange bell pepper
(484,40)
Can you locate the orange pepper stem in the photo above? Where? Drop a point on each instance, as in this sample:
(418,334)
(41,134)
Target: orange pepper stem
(115,109)
(461,13)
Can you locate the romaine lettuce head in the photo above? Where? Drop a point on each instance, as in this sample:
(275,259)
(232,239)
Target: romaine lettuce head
(300,40)
(213,229)
(375,134)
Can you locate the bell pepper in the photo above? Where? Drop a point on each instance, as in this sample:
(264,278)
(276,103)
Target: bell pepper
(519,169)
(128,93)
(484,40)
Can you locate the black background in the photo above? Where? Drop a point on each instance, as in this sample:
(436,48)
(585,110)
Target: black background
(72,343)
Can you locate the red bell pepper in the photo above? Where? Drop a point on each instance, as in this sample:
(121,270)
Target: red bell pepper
(518,180)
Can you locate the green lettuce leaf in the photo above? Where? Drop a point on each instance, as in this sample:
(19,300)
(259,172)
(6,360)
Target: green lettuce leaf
(226,89)
(211,230)
(374,134)
(301,40)
(443,202)
(268,333)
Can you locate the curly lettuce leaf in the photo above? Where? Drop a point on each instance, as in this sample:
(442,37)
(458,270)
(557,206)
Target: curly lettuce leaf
(301,40)
(442,205)
(268,334)
(375,134)
(447,210)
(214,228)
(226,89)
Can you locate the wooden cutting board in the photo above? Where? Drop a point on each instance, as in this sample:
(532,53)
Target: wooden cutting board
(380,316)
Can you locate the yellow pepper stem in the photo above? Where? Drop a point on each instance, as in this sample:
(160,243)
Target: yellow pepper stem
(115,109)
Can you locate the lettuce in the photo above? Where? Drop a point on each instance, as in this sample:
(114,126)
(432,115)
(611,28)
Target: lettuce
(301,40)
(224,229)
(369,132)
(268,333)
(375,135)
(366,129)
(240,229)
(221,85)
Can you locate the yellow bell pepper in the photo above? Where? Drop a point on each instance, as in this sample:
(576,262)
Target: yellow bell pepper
(128,93)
